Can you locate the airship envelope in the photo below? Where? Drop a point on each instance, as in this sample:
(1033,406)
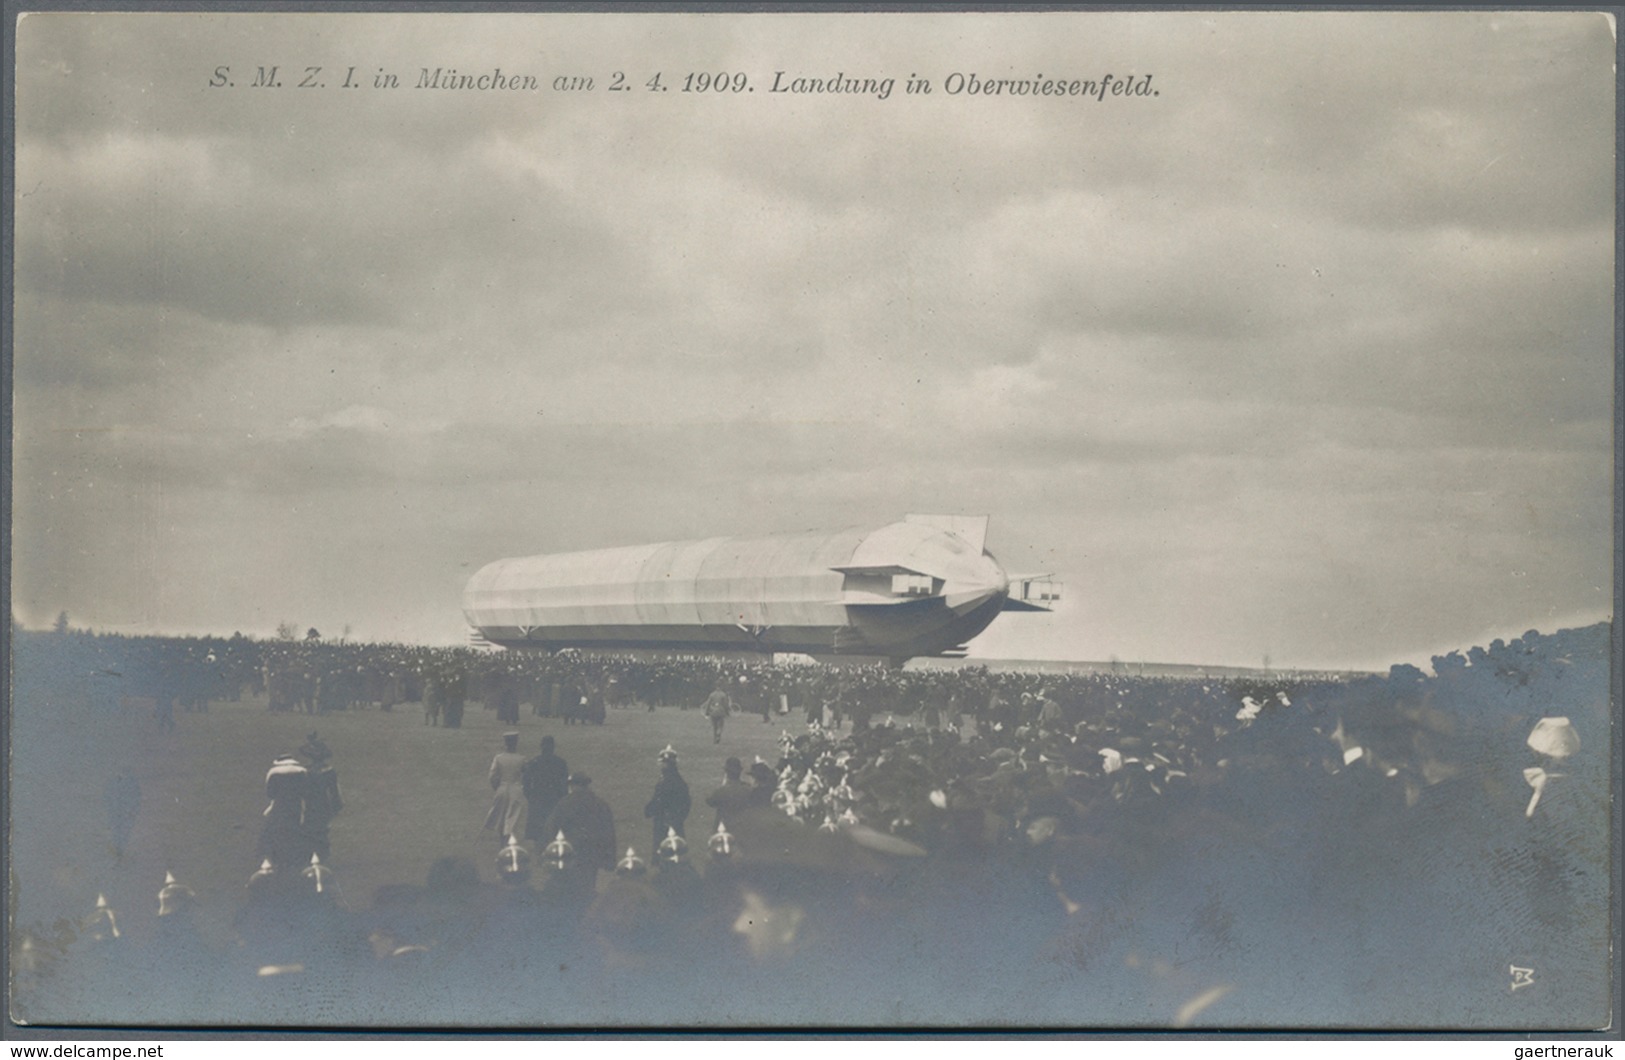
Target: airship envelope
(923,586)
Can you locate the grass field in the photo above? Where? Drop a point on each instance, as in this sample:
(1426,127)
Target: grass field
(413,793)
(1288,885)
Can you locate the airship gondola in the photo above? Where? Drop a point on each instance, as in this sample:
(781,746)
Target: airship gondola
(921,587)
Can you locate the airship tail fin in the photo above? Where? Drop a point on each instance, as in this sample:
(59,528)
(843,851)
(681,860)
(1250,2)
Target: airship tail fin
(1033,592)
(973,528)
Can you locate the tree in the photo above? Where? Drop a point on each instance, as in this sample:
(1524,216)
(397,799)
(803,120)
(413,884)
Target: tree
(286,631)
(313,633)
(1405,674)
(61,625)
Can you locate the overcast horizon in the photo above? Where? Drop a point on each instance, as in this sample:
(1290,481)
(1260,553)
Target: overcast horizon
(1304,349)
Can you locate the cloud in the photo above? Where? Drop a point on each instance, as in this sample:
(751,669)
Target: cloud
(362,419)
(196,227)
(1286,353)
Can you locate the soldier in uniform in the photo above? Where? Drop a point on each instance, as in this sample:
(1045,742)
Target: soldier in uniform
(98,966)
(262,886)
(180,968)
(677,880)
(668,809)
(507,814)
(588,826)
(627,918)
(102,924)
(318,879)
(513,863)
(717,708)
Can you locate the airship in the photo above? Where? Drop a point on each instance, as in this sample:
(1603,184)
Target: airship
(920,587)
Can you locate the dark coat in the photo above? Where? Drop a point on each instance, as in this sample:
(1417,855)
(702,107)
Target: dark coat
(544,780)
(670,805)
(322,799)
(322,803)
(589,824)
(282,838)
(731,800)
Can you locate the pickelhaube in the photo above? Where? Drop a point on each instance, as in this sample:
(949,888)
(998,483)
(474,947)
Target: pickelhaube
(559,853)
(673,849)
(263,878)
(1554,737)
(721,843)
(102,924)
(513,862)
(173,896)
(631,864)
(30,959)
(318,877)
(668,754)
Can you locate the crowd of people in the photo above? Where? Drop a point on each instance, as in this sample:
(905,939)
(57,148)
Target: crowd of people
(317,676)
(922,839)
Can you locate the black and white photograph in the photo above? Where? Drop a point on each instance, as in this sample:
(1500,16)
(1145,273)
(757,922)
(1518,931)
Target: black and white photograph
(670,520)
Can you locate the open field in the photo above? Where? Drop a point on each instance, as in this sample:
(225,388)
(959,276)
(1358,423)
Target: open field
(1357,854)
(413,793)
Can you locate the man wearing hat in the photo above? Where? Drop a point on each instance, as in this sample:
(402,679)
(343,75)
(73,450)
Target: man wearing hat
(668,809)
(733,798)
(545,779)
(322,799)
(507,814)
(763,782)
(315,748)
(588,825)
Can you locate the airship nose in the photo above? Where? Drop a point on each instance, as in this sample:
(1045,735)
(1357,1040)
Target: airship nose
(974,584)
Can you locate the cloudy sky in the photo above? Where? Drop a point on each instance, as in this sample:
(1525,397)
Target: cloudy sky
(1307,355)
